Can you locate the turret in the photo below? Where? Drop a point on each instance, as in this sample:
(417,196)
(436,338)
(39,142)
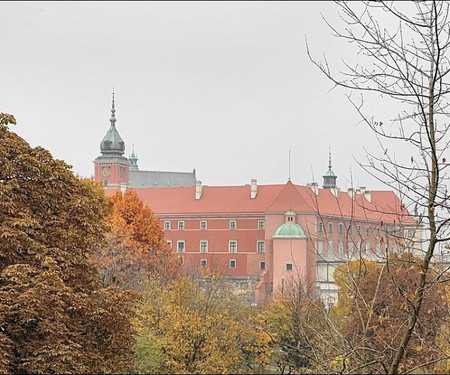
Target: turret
(329,178)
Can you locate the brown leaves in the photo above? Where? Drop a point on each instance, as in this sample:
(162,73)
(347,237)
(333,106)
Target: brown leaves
(377,305)
(50,221)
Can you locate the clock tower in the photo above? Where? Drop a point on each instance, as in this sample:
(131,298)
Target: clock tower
(111,167)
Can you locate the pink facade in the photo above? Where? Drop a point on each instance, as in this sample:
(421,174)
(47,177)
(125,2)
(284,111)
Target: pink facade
(233,232)
(275,234)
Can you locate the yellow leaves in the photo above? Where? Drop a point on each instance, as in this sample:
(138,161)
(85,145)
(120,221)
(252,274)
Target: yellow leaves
(339,363)
(199,328)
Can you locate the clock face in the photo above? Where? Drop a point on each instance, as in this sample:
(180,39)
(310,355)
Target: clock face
(106,171)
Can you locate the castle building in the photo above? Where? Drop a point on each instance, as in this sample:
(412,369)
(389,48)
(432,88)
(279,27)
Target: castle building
(266,238)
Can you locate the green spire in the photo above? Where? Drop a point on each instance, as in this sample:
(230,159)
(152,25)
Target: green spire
(113,111)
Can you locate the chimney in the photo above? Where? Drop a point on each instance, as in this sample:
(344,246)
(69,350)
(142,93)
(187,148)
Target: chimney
(368,196)
(198,189)
(334,191)
(253,189)
(314,187)
(361,190)
(351,193)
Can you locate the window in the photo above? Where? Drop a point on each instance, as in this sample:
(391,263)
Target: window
(203,225)
(181,225)
(350,247)
(350,229)
(232,263)
(410,233)
(320,228)
(232,224)
(320,247)
(232,246)
(378,231)
(341,248)
(367,248)
(169,243)
(180,246)
(261,224)
(358,228)
(203,246)
(105,182)
(358,247)
(378,248)
(288,266)
(341,228)
(262,265)
(260,246)
(203,262)
(167,225)
(367,231)
(330,246)
(330,227)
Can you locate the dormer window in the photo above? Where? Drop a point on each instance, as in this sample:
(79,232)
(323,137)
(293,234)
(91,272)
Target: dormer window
(290,216)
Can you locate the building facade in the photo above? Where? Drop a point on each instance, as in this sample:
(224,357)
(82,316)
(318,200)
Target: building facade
(268,236)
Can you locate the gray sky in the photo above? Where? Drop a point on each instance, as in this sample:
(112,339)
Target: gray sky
(225,87)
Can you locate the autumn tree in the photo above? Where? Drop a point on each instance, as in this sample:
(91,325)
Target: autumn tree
(374,303)
(402,51)
(197,326)
(54,318)
(294,321)
(134,248)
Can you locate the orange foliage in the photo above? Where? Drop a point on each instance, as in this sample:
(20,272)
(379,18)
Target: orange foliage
(135,247)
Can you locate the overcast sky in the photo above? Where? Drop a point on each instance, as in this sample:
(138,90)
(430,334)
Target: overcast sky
(225,87)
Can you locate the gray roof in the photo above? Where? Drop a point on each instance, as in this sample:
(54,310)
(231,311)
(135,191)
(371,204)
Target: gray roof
(149,179)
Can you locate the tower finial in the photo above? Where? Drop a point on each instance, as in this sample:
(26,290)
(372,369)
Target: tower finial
(329,158)
(113,111)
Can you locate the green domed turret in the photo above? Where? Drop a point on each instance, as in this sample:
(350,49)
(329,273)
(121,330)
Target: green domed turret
(289,230)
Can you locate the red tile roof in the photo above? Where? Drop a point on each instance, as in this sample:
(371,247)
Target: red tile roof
(383,205)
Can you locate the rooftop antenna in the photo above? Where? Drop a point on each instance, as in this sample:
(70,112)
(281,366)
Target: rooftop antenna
(289,178)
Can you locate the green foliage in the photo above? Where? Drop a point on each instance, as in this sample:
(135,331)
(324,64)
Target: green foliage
(148,355)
